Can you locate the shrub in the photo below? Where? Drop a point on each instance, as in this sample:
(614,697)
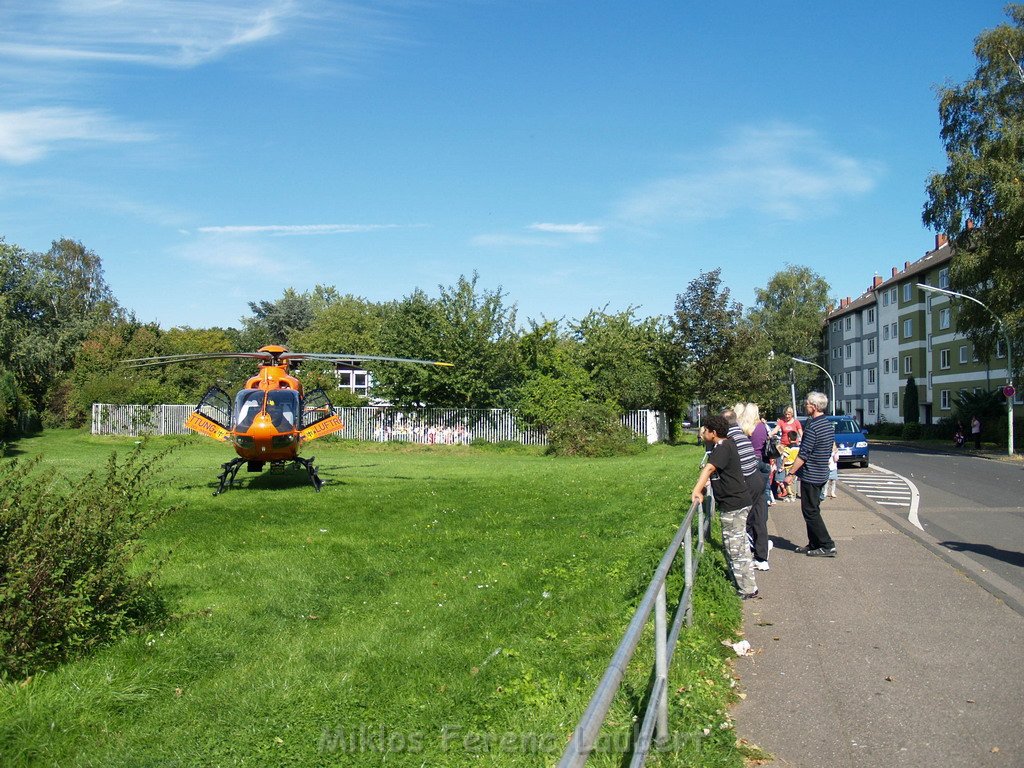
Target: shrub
(594,430)
(67,578)
(912,431)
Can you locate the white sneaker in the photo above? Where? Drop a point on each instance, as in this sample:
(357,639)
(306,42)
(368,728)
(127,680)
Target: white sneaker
(761,565)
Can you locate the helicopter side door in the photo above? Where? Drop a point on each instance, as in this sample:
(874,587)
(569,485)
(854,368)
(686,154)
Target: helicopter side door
(318,416)
(212,416)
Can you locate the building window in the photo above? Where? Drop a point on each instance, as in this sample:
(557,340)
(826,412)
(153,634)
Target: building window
(871,375)
(892,294)
(944,399)
(849,351)
(906,364)
(836,327)
(944,358)
(885,333)
(895,365)
(895,399)
(944,318)
(885,298)
(885,400)
(871,315)
(907,288)
(871,405)
(885,365)
(895,331)
(944,278)
(963,353)
(908,327)
(871,346)
(848,407)
(849,323)
(849,379)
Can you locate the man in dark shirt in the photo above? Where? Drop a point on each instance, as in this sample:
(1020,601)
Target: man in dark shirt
(811,466)
(732,497)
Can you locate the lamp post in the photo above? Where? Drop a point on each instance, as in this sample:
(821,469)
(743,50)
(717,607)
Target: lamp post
(830,379)
(1009,355)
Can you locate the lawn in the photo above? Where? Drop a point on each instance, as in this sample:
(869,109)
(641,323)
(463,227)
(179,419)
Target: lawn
(431,606)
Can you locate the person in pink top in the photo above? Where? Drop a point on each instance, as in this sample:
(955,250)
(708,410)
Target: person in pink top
(788,423)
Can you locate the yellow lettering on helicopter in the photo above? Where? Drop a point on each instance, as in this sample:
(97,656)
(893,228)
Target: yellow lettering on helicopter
(328,426)
(206,426)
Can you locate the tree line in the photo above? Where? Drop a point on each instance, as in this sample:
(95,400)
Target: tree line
(66,334)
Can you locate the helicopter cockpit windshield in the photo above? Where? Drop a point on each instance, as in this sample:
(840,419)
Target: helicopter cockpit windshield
(248,402)
(282,405)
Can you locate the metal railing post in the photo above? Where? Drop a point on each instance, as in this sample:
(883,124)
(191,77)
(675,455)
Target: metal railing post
(661,663)
(688,570)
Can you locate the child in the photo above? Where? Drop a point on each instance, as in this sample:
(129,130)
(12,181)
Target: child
(829,488)
(789,454)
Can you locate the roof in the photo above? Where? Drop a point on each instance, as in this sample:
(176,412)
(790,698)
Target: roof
(930,260)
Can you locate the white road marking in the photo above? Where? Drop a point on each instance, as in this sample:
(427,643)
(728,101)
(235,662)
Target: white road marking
(915,496)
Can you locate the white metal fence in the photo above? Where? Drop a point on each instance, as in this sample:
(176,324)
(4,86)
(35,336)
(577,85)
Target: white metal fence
(418,425)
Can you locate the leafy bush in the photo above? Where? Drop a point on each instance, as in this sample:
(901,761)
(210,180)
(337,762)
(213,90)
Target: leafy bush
(67,577)
(912,431)
(593,430)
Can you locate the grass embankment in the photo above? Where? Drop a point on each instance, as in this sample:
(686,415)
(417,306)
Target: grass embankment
(443,606)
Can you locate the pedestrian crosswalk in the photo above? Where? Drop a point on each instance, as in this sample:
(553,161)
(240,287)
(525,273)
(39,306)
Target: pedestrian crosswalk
(885,488)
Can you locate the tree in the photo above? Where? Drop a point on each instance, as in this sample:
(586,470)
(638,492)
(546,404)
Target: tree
(979,199)
(789,313)
(621,355)
(273,322)
(911,410)
(471,328)
(705,339)
(48,304)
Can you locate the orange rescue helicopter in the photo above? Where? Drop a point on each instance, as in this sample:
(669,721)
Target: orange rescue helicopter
(271,417)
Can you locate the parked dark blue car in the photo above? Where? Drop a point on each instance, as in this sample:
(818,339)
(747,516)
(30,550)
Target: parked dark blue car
(851,439)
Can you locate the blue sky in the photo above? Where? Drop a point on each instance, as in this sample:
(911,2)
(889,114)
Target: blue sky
(579,155)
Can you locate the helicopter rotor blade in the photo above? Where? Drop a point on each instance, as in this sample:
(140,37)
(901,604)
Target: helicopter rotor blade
(346,358)
(147,362)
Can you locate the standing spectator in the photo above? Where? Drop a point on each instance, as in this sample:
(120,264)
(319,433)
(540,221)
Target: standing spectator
(732,497)
(750,461)
(976,432)
(788,423)
(811,466)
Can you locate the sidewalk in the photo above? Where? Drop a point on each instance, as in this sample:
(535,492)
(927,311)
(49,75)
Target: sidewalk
(884,656)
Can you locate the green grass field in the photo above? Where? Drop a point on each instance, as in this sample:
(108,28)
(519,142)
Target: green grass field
(431,606)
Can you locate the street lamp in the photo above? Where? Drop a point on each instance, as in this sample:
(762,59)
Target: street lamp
(830,380)
(1009,355)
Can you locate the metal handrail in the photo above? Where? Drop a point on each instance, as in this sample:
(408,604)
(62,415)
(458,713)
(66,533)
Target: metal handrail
(656,715)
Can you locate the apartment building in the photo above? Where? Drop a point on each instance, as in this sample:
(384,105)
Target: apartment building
(894,331)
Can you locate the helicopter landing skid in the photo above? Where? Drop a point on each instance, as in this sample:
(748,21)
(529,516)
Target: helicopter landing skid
(230,469)
(314,478)
(227,476)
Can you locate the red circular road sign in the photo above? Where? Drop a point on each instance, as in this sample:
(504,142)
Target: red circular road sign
(1009,391)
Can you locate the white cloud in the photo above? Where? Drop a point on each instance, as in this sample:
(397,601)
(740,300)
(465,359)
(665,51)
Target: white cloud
(295,229)
(779,171)
(182,33)
(561,235)
(587,233)
(30,134)
(176,34)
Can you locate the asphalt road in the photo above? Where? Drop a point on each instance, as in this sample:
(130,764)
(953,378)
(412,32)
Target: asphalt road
(970,505)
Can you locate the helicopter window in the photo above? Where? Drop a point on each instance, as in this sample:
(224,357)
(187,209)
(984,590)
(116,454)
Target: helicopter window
(248,403)
(282,405)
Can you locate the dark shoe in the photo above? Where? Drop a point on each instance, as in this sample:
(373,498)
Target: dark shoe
(752,596)
(822,552)
(801,550)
